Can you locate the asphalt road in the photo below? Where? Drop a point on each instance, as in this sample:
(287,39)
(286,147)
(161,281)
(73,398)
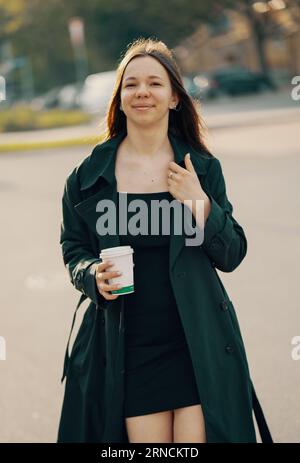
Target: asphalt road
(261,168)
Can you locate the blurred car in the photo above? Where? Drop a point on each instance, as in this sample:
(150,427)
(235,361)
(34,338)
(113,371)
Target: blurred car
(65,97)
(68,97)
(237,81)
(190,86)
(96,92)
(199,86)
(46,100)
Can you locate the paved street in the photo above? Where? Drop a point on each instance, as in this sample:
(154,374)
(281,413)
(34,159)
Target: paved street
(261,165)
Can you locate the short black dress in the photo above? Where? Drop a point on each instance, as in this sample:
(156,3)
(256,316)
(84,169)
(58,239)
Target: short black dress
(159,374)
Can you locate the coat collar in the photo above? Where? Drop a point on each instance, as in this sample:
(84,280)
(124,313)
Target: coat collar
(101,162)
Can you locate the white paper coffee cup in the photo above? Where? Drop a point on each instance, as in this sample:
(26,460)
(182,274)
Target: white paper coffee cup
(122,258)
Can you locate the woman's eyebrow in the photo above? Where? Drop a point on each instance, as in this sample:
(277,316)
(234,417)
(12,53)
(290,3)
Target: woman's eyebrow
(150,77)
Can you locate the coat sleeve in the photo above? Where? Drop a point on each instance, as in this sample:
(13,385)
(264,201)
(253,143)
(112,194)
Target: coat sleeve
(78,256)
(224,241)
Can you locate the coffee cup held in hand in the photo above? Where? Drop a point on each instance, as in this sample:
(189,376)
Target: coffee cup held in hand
(122,259)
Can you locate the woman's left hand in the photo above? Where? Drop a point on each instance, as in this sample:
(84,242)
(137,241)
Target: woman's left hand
(184,183)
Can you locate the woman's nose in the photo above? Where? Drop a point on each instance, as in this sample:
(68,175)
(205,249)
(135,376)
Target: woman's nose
(142,90)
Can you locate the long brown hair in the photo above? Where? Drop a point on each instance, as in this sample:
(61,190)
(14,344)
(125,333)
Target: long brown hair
(185,123)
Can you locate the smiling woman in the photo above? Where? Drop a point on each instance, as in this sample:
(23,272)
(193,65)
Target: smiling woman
(167,362)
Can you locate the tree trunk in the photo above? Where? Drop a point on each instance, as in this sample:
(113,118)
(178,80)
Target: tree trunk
(259,36)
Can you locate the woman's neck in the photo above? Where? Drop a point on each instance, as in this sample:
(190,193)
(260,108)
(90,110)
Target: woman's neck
(148,144)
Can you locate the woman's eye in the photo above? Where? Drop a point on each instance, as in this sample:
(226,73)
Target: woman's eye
(132,85)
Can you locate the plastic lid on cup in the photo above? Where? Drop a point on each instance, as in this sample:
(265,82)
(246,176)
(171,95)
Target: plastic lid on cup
(116,251)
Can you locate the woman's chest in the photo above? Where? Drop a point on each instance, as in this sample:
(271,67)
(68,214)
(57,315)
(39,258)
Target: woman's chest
(142,177)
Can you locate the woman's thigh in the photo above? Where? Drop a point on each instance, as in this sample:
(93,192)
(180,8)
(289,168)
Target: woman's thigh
(189,424)
(153,427)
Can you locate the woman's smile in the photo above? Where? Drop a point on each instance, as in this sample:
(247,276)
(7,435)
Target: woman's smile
(142,108)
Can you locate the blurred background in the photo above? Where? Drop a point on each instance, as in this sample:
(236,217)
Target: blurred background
(240,61)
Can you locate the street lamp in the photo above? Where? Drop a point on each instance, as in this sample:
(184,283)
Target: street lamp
(76,30)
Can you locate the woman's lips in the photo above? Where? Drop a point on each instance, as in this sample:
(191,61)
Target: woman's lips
(142,108)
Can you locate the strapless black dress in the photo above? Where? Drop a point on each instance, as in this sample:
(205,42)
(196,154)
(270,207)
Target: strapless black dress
(159,374)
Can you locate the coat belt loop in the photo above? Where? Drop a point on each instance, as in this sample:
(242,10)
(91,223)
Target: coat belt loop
(260,419)
(67,358)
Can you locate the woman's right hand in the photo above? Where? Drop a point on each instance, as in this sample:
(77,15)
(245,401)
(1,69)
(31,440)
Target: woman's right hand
(102,275)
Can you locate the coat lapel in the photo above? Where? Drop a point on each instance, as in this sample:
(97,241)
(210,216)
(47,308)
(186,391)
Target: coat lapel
(101,163)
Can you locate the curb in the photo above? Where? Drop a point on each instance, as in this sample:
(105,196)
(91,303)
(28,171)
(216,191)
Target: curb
(215,122)
(25,146)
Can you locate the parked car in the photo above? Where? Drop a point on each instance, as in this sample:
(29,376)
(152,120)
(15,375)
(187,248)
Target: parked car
(206,86)
(199,86)
(65,97)
(96,92)
(236,81)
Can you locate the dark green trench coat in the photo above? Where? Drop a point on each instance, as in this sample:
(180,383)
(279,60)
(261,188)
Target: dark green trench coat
(92,409)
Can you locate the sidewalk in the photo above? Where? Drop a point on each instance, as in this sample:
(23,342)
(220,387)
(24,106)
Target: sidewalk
(219,114)
(250,118)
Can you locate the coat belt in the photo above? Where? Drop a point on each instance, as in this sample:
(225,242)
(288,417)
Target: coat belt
(67,357)
(264,431)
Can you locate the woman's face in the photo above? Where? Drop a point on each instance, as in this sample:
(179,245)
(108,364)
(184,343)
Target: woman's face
(145,98)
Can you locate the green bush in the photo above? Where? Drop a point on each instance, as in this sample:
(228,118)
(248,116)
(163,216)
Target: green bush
(25,118)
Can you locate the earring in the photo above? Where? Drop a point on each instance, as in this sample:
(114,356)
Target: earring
(179,107)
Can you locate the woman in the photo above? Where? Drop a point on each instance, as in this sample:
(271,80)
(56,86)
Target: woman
(165,363)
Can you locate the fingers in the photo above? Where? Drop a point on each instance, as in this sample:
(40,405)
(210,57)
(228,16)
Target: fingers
(102,275)
(103,286)
(103,265)
(108,296)
(104,289)
(107,275)
(176,168)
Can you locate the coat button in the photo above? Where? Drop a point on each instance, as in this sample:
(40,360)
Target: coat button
(224,305)
(181,274)
(229,349)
